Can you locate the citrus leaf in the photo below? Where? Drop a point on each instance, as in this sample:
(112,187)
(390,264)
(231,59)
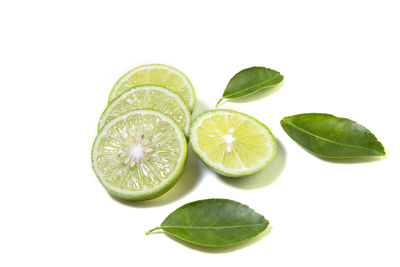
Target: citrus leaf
(214,222)
(251,80)
(332,137)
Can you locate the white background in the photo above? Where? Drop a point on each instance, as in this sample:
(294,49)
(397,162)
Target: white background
(59,60)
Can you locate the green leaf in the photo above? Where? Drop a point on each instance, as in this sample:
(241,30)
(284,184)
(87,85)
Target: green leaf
(332,137)
(214,222)
(251,80)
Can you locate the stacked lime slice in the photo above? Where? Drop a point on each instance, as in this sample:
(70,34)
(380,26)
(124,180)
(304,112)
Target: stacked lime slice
(151,97)
(156,74)
(139,155)
(140,149)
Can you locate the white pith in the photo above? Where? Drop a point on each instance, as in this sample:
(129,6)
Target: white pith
(133,153)
(229,139)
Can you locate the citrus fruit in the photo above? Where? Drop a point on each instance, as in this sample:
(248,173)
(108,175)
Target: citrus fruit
(156,74)
(149,97)
(232,143)
(139,155)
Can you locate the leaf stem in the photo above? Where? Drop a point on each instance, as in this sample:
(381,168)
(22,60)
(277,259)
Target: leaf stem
(219,102)
(148,232)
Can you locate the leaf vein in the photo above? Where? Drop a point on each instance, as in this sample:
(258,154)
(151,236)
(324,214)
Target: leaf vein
(213,227)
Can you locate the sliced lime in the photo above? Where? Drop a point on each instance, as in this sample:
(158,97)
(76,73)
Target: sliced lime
(139,155)
(149,97)
(156,74)
(232,143)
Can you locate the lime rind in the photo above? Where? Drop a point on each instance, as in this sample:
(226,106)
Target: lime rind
(185,79)
(218,168)
(161,89)
(156,191)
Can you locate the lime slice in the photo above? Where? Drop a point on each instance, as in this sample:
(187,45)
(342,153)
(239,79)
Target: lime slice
(232,143)
(139,155)
(149,97)
(156,74)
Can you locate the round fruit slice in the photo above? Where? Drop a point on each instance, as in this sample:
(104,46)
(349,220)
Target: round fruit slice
(232,143)
(156,74)
(149,97)
(139,155)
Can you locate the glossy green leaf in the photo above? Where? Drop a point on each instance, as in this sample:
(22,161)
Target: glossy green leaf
(251,80)
(214,222)
(332,137)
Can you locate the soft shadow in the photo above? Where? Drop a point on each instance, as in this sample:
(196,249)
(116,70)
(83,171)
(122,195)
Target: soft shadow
(264,178)
(218,250)
(186,184)
(257,95)
(200,107)
(353,160)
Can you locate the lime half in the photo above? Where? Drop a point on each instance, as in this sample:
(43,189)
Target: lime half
(139,155)
(232,143)
(149,97)
(156,74)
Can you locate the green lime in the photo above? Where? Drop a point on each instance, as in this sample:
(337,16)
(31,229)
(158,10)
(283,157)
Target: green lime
(232,143)
(139,155)
(156,74)
(149,97)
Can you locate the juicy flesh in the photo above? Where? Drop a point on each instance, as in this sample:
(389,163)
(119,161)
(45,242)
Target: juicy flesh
(138,152)
(151,98)
(233,142)
(157,76)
